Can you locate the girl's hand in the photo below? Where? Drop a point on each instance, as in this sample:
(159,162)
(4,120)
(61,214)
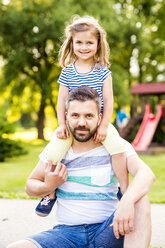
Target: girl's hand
(62,132)
(100,134)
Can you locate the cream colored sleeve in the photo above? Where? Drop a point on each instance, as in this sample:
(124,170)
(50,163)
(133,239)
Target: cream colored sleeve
(58,148)
(113,143)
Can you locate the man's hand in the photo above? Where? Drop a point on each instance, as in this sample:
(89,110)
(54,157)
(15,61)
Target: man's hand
(101,133)
(62,132)
(123,222)
(55,175)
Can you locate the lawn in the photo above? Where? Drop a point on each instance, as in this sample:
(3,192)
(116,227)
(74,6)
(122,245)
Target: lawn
(157,164)
(14,173)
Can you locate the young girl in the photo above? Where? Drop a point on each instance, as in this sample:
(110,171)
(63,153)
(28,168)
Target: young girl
(85,58)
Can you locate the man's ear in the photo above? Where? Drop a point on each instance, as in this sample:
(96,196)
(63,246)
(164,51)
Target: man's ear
(100,117)
(66,114)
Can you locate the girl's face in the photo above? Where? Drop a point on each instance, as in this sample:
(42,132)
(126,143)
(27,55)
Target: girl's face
(85,45)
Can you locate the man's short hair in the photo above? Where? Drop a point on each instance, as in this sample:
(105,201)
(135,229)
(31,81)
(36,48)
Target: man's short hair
(82,94)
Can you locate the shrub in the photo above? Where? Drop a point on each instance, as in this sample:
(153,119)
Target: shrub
(9,148)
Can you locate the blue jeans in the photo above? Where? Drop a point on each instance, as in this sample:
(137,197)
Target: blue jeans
(98,235)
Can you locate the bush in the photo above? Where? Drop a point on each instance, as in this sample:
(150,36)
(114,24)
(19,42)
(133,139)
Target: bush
(9,148)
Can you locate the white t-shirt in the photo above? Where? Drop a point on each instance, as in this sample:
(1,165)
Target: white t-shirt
(90,193)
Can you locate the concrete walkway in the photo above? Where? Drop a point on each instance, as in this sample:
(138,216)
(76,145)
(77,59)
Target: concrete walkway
(18,220)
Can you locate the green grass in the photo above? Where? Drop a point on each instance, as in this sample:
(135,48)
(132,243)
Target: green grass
(157,164)
(14,173)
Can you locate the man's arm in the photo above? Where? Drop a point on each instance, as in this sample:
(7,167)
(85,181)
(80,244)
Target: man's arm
(45,178)
(143,178)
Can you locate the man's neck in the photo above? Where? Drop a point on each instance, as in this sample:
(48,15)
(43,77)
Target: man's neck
(79,147)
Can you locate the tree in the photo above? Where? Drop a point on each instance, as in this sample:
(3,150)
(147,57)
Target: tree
(30,37)
(148,38)
(30,34)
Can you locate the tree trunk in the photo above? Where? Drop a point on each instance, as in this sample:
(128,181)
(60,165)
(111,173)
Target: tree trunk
(54,108)
(140,74)
(41,119)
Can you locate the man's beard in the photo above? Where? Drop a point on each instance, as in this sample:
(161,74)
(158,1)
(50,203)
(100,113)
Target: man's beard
(82,137)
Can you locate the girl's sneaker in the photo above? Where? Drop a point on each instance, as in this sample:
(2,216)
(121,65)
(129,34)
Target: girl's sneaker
(45,206)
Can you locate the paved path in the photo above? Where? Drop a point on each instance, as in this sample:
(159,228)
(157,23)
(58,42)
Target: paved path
(18,220)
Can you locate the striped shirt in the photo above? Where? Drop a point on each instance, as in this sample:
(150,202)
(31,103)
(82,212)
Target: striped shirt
(90,193)
(70,78)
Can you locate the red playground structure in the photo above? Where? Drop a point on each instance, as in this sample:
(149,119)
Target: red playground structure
(147,128)
(150,121)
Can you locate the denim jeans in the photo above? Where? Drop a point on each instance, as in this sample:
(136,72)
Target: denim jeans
(98,235)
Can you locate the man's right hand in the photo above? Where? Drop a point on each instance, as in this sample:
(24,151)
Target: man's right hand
(62,132)
(55,175)
(123,222)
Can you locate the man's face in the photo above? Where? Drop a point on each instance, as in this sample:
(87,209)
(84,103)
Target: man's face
(83,119)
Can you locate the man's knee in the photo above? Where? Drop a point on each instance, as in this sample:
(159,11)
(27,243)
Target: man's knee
(143,206)
(13,245)
(22,244)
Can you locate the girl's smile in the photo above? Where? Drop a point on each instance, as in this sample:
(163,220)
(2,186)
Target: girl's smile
(85,45)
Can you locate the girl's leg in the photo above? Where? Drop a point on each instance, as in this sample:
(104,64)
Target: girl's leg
(56,150)
(114,144)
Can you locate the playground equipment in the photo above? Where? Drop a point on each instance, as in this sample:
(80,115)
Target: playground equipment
(148,120)
(147,128)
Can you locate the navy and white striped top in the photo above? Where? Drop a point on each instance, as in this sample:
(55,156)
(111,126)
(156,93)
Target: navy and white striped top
(71,78)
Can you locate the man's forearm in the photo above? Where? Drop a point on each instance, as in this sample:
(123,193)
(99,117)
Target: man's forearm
(143,178)
(36,188)
(141,183)
(139,186)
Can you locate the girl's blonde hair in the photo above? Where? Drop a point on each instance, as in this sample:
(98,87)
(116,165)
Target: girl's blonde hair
(80,24)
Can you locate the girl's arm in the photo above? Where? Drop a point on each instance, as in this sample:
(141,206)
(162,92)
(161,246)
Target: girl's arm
(108,109)
(62,131)
(108,101)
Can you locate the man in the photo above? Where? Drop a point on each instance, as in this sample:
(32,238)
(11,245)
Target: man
(86,188)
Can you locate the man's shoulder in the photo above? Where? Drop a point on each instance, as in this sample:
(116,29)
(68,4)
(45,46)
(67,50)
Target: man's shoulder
(129,148)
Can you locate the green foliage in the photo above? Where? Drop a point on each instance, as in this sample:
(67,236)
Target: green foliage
(159,136)
(6,127)
(148,20)
(30,51)
(9,148)
(31,34)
